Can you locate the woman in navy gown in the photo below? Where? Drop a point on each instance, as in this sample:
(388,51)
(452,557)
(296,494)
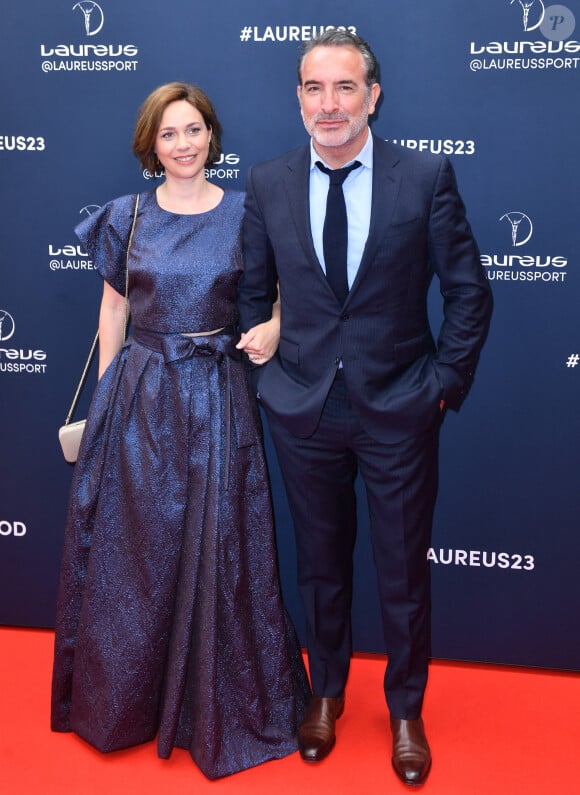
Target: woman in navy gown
(170,622)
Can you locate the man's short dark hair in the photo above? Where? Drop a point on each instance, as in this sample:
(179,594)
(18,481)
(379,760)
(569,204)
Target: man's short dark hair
(335,37)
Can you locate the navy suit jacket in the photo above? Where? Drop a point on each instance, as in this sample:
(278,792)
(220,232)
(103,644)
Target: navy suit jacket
(395,371)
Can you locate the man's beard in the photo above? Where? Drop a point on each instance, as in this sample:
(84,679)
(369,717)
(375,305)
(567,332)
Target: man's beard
(337,137)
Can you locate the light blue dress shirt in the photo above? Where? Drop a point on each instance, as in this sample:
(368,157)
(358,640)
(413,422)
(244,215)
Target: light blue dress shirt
(357,189)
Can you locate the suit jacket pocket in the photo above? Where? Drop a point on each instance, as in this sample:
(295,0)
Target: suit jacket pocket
(403,226)
(289,351)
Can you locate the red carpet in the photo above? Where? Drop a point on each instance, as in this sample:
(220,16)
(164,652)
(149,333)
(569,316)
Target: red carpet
(492,730)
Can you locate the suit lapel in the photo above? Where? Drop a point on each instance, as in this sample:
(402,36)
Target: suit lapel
(386,185)
(297,182)
(297,188)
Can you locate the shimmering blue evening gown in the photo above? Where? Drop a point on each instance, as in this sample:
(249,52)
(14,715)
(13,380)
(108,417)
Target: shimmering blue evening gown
(170,622)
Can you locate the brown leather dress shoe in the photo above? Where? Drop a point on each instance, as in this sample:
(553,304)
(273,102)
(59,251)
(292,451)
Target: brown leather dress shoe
(411,755)
(316,736)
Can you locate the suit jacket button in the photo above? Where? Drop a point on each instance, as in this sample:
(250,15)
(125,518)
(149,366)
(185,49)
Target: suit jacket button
(345,317)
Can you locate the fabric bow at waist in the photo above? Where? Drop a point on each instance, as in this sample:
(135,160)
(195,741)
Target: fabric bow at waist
(176,347)
(222,347)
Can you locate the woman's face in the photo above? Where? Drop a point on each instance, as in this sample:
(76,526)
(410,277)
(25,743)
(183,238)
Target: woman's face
(182,142)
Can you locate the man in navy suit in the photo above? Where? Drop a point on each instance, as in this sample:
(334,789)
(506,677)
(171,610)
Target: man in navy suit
(358,383)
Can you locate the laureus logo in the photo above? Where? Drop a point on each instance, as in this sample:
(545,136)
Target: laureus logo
(93,16)
(518,266)
(17,361)
(521,227)
(533,12)
(89,209)
(72,256)
(89,56)
(7,325)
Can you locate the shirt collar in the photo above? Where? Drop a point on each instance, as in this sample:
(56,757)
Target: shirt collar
(365,156)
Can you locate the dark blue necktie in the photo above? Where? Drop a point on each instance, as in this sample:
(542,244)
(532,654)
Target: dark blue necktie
(335,231)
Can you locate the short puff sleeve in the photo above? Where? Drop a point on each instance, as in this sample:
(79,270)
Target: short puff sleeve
(105,236)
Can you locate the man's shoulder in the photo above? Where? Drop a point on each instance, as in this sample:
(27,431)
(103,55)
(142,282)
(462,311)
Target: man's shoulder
(403,154)
(287,160)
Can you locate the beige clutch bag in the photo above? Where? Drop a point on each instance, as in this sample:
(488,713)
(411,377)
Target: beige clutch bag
(70,436)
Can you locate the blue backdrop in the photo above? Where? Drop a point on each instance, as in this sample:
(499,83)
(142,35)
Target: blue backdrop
(493,85)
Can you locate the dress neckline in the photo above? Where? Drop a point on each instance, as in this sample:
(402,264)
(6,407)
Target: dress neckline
(188,215)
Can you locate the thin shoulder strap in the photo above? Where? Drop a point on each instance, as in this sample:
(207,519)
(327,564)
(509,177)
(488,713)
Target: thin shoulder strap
(95,340)
(127,266)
